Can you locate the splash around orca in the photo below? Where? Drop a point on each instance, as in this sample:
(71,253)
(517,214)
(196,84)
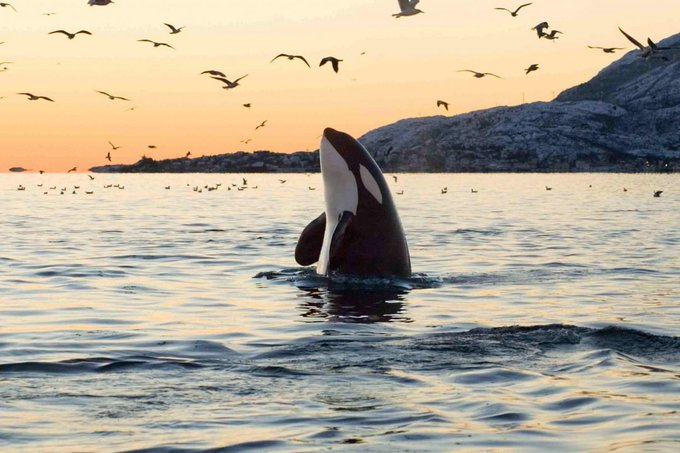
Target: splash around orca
(360,232)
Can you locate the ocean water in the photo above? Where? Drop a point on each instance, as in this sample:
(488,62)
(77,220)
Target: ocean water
(154,319)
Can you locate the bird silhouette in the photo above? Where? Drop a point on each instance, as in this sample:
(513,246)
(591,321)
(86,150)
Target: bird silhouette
(5,5)
(70,35)
(262,124)
(606,49)
(334,62)
(156,44)
(227,83)
(445,104)
(657,193)
(247,105)
(173,30)
(645,51)
(186,156)
(99,2)
(291,57)
(112,97)
(33,97)
(531,68)
(407,8)
(479,75)
(73,169)
(539,29)
(514,13)
(114,147)
(552,35)
(91,177)
(214,72)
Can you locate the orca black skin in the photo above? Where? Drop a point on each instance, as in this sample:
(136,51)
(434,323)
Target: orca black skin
(365,237)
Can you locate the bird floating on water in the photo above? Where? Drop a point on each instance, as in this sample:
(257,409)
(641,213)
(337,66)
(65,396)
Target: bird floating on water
(514,13)
(291,57)
(33,97)
(407,8)
(333,61)
(70,35)
(445,104)
(173,30)
(479,75)
(156,44)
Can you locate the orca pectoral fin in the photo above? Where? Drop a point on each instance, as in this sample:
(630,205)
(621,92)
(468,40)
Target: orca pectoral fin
(341,233)
(309,245)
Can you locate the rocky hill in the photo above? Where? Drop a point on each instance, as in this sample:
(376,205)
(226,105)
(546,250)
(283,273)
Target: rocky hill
(627,118)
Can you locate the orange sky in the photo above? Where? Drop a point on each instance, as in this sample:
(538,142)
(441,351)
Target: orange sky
(409,64)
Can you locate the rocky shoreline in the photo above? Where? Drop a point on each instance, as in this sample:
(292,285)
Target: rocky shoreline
(625,119)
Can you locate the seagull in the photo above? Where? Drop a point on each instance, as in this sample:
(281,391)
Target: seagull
(548,188)
(156,44)
(247,105)
(70,35)
(539,29)
(48,14)
(532,68)
(334,62)
(245,181)
(657,193)
(311,188)
(186,156)
(33,97)
(112,97)
(229,84)
(114,147)
(444,103)
(408,8)
(214,72)
(645,51)
(108,156)
(514,13)
(283,181)
(479,75)
(552,35)
(73,169)
(99,2)
(291,57)
(5,5)
(395,178)
(151,147)
(246,141)
(261,124)
(445,190)
(91,177)
(173,30)
(607,49)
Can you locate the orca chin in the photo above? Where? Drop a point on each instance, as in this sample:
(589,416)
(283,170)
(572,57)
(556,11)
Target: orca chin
(359,232)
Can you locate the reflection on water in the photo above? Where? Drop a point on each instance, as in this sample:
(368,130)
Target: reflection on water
(536,320)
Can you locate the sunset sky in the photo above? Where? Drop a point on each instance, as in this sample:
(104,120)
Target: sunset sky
(408,64)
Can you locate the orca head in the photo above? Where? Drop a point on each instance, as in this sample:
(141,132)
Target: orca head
(348,172)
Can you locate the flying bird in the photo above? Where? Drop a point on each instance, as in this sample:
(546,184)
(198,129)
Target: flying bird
(5,5)
(407,8)
(214,72)
(532,68)
(108,156)
(334,62)
(114,147)
(514,13)
(99,2)
(112,97)
(479,75)
(645,51)
(73,169)
(33,97)
(229,84)
(156,44)
(48,14)
(261,124)
(246,141)
(173,30)
(247,105)
(539,29)
(439,104)
(151,146)
(552,35)
(291,57)
(657,193)
(70,35)
(91,177)
(186,156)
(607,49)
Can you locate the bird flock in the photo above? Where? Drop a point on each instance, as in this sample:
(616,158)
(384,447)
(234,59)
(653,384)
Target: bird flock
(407,8)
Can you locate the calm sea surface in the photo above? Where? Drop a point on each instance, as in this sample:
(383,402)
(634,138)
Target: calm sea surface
(177,320)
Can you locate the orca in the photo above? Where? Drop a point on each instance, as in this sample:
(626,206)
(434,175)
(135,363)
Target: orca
(359,233)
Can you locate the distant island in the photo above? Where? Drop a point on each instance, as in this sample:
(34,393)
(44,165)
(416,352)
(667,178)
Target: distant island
(625,119)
